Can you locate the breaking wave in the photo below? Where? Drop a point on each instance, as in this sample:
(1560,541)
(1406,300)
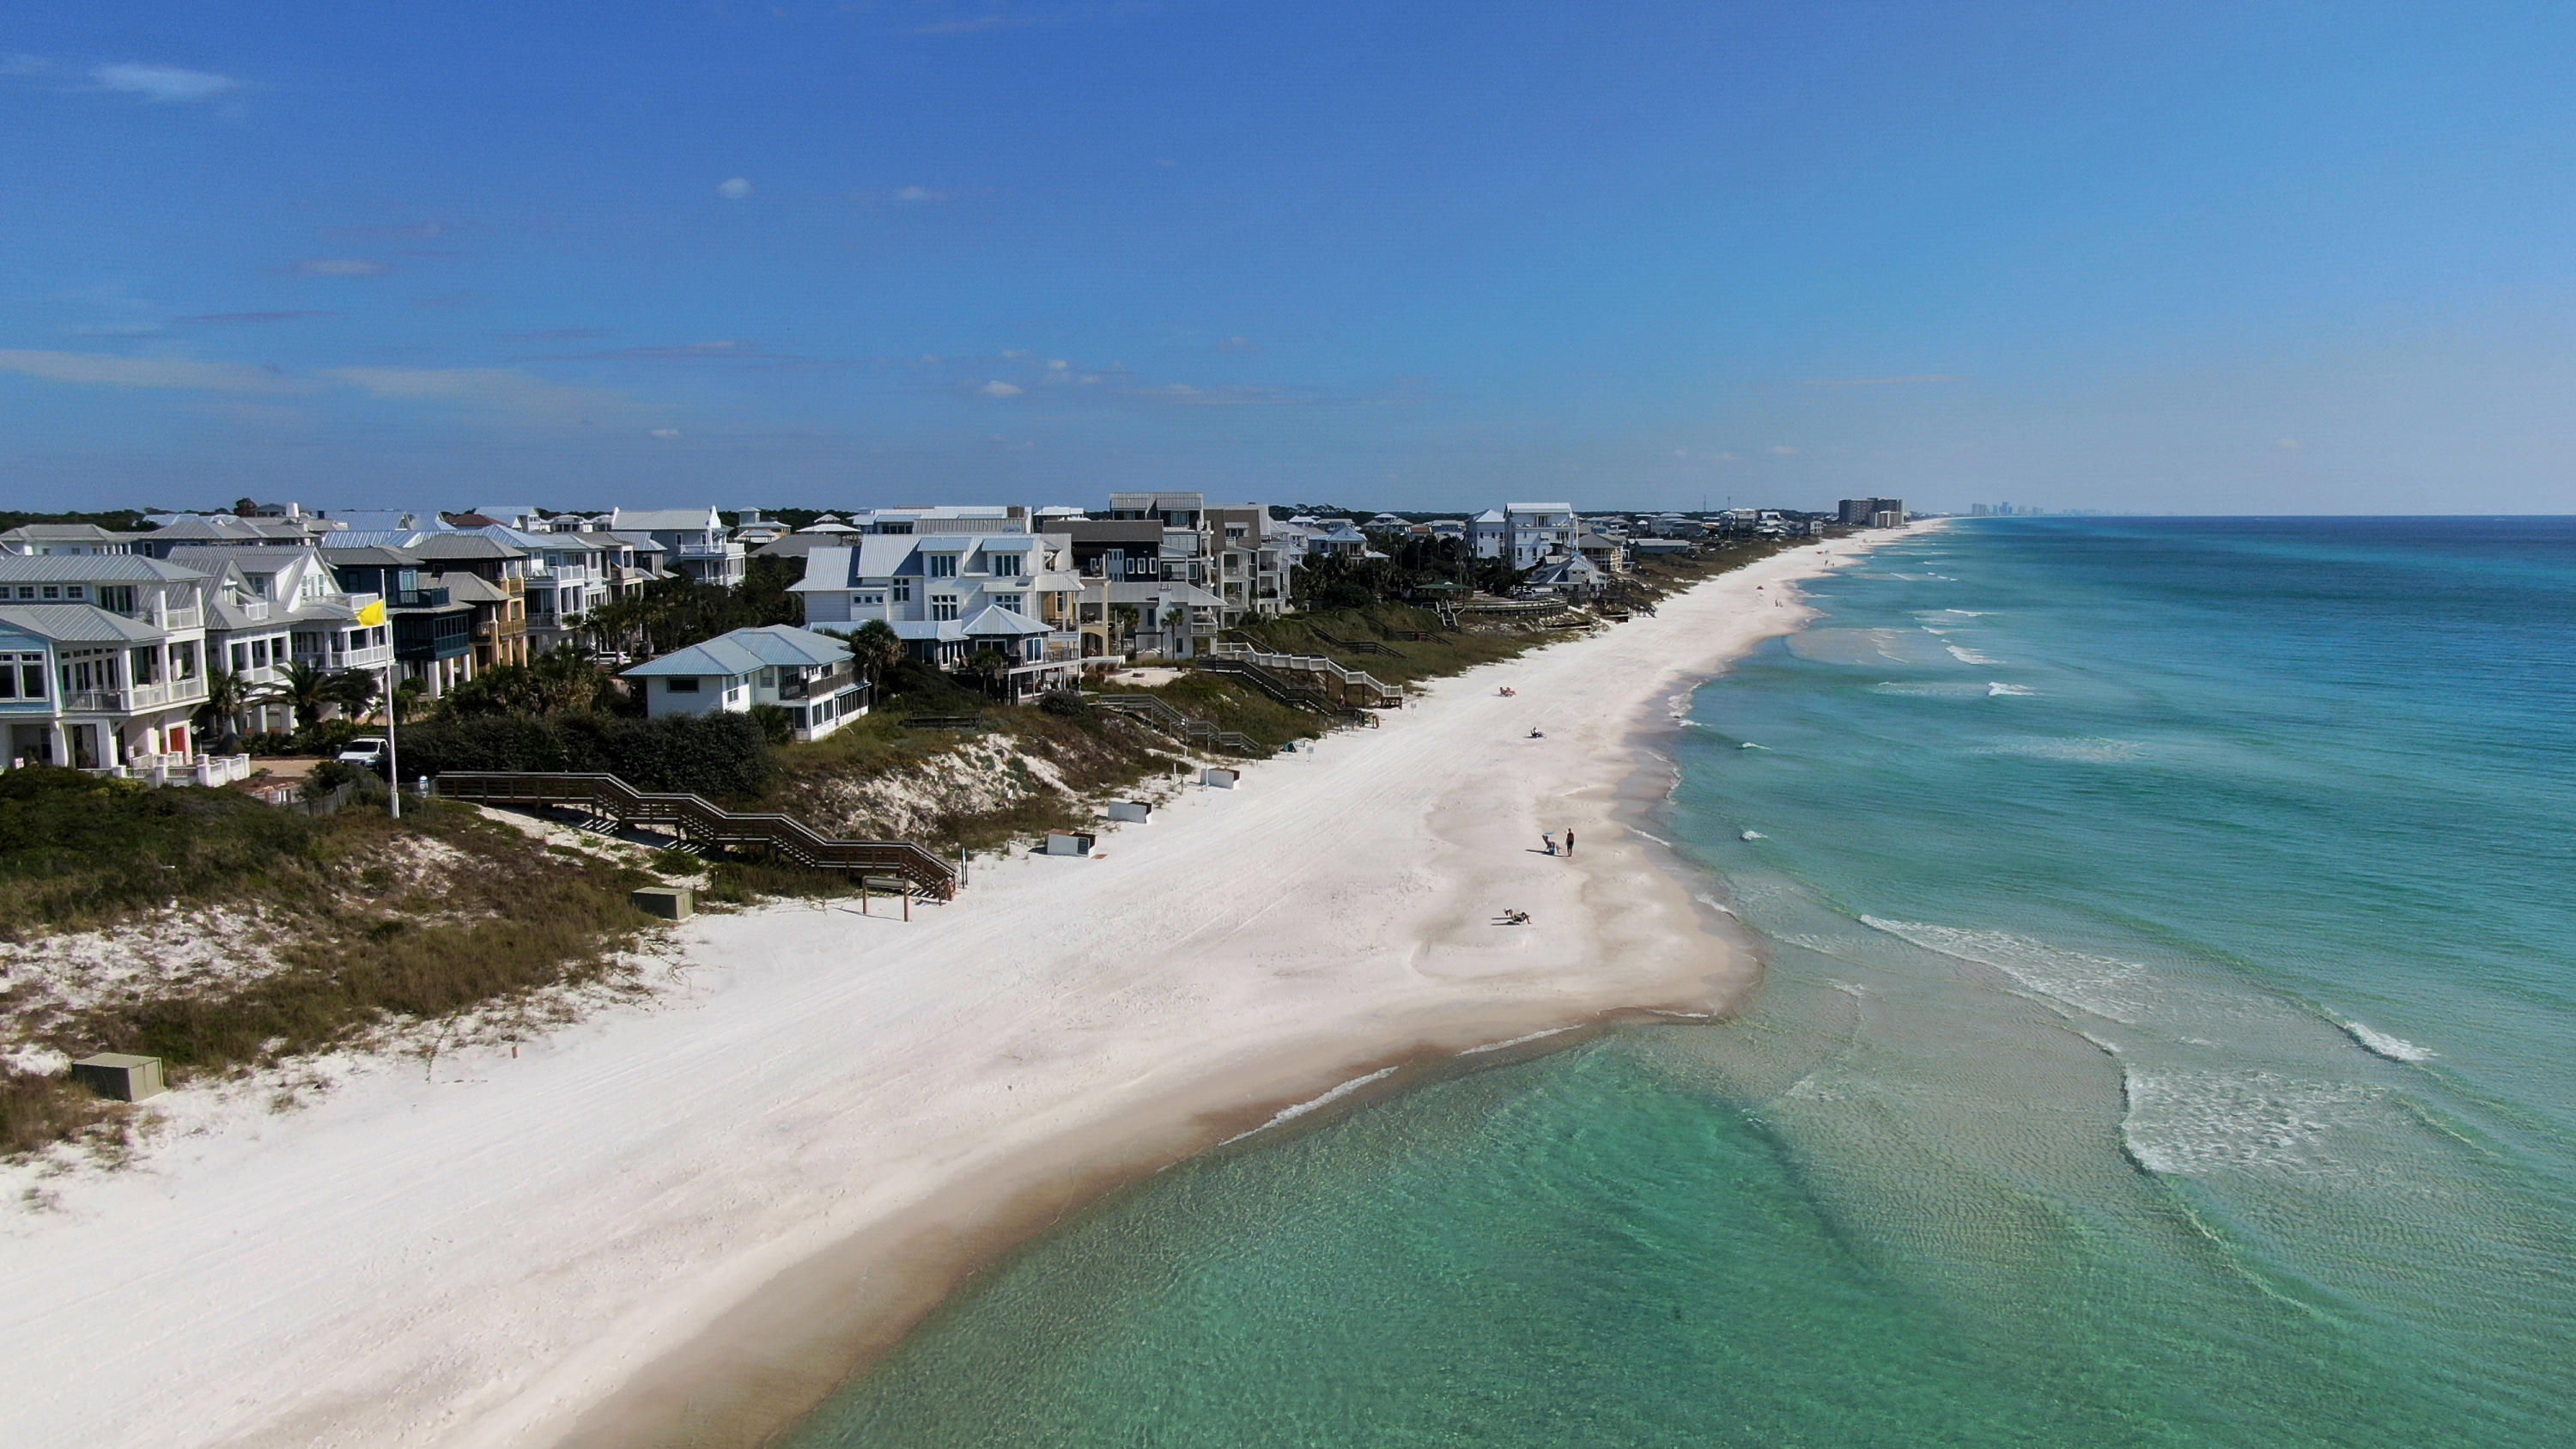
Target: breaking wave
(2381,1044)
(2102,985)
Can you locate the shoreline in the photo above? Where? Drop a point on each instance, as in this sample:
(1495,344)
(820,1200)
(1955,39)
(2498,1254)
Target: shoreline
(693,1220)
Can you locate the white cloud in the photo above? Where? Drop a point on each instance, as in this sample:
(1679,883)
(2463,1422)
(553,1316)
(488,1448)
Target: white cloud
(916,194)
(22,64)
(164,84)
(341,267)
(99,370)
(500,389)
(1782,449)
(668,435)
(999,388)
(734,188)
(2291,445)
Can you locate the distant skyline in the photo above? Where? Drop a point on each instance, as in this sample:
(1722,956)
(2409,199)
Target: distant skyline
(2186,258)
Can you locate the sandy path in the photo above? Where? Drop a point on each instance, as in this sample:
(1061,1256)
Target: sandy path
(691,1213)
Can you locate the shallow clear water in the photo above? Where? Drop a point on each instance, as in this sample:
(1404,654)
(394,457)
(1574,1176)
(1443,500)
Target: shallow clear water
(2165,1042)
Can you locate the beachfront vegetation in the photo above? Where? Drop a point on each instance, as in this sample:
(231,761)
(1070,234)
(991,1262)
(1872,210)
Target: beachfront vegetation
(359,924)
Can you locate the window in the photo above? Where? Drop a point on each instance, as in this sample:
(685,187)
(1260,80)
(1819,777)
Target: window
(75,591)
(942,565)
(902,591)
(52,592)
(871,599)
(116,598)
(9,680)
(146,666)
(943,606)
(241,658)
(1004,565)
(680,685)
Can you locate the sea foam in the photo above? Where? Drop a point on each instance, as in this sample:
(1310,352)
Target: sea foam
(2381,1044)
(2102,985)
(1970,656)
(2193,1124)
(1292,1113)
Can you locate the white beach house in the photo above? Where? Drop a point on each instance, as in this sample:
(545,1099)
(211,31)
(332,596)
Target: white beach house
(809,675)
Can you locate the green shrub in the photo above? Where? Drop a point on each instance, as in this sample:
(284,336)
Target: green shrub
(724,755)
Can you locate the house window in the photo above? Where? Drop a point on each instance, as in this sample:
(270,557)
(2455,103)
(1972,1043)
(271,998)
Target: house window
(870,600)
(9,680)
(902,591)
(75,591)
(943,606)
(116,598)
(1004,565)
(680,686)
(942,565)
(146,666)
(52,592)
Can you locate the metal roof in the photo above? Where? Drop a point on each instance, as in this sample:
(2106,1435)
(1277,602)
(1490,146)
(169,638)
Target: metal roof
(77,624)
(744,650)
(91,568)
(994,619)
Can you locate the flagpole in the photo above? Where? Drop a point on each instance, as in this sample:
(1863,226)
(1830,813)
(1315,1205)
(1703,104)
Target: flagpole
(393,762)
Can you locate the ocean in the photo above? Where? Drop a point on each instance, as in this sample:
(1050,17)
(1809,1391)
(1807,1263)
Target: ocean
(2165,1040)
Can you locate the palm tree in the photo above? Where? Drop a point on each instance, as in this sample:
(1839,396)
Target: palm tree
(228,698)
(354,690)
(875,648)
(303,688)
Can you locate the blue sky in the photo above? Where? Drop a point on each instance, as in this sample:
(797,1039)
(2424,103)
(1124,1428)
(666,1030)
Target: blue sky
(2196,258)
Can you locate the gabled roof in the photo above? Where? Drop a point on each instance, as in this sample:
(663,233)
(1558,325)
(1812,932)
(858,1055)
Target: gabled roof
(370,556)
(832,568)
(669,520)
(76,624)
(462,546)
(465,588)
(65,533)
(91,568)
(744,650)
(994,619)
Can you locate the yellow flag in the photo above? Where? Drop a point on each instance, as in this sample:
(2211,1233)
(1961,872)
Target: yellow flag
(373,613)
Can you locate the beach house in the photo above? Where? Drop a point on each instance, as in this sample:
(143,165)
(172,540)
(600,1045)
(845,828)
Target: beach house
(951,596)
(268,609)
(694,541)
(102,660)
(808,675)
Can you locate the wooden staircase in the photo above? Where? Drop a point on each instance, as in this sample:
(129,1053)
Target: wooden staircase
(1189,727)
(695,818)
(1289,692)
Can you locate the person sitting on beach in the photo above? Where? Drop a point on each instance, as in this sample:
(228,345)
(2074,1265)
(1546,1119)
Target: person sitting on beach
(1534,733)
(1549,837)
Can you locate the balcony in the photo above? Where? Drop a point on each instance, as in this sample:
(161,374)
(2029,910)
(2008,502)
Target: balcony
(136,698)
(182,619)
(708,550)
(372,657)
(819,687)
(418,599)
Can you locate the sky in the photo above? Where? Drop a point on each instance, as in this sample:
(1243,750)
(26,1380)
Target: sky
(2195,258)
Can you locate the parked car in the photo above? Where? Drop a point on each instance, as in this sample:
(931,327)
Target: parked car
(367,750)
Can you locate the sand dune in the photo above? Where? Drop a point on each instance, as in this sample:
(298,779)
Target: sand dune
(692,1216)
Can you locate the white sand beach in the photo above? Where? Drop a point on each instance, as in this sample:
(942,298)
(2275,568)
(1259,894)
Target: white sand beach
(679,1221)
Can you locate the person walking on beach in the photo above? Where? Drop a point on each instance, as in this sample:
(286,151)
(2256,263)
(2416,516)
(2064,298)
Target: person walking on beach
(1569,840)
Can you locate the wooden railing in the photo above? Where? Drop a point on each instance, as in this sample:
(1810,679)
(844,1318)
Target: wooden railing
(1342,683)
(1189,727)
(1289,692)
(698,819)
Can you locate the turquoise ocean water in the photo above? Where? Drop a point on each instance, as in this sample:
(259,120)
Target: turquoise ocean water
(2166,1041)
